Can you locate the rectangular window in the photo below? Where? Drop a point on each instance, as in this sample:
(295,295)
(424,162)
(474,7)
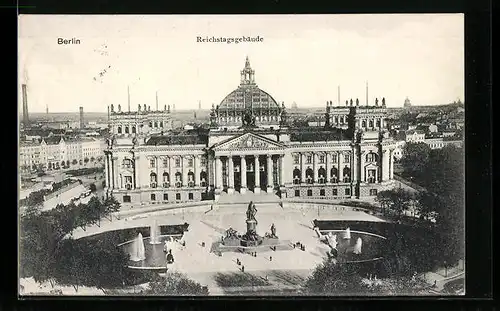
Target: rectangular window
(152,163)
(297,193)
(322,159)
(296,159)
(309,160)
(128,179)
(190,162)
(153,197)
(190,196)
(334,192)
(334,158)
(165,162)
(347,191)
(177,162)
(309,193)
(322,192)
(126,199)
(373,191)
(347,158)
(165,197)
(178,196)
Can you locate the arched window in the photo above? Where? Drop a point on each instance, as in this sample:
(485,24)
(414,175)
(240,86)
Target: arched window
(309,176)
(203,179)
(378,123)
(178,179)
(191,179)
(119,130)
(126,130)
(321,175)
(347,174)
(156,124)
(296,176)
(166,180)
(363,124)
(371,176)
(127,163)
(153,180)
(133,129)
(371,123)
(334,175)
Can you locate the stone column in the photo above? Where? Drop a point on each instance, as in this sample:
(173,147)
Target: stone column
(385,165)
(257,174)
(106,170)
(243,168)
(136,173)
(218,173)
(315,167)
(391,164)
(171,171)
(184,171)
(270,182)
(362,153)
(230,172)
(303,167)
(115,172)
(340,170)
(280,170)
(197,170)
(354,165)
(327,167)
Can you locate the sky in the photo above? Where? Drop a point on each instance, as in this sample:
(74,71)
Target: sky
(301,59)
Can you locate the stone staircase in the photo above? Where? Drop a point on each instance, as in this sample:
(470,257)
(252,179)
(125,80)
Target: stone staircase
(236,199)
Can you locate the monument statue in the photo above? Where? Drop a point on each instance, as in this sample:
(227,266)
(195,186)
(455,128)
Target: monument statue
(251,211)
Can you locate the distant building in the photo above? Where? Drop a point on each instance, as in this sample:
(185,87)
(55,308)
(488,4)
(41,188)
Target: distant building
(407,103)
(294,105)
(414,136)
(433,128)
(438,143)
(140,122)
(52,152)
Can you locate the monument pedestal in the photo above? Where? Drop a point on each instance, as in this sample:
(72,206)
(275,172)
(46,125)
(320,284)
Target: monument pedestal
(230,190)
(243,190)
(256,190)
(269,189)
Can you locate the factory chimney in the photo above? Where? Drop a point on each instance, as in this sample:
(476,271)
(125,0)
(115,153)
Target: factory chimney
(26,119)
(81,118)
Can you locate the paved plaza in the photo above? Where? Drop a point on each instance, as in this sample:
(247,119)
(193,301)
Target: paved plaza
(293,222)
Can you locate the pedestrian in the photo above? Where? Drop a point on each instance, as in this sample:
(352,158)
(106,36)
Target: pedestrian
(270,258)
(242,268)
(435,283)
(211,207)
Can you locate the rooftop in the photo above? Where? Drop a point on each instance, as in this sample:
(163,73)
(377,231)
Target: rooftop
(310,135)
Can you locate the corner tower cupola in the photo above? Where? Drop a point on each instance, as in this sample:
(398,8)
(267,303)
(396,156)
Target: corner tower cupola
(247,74)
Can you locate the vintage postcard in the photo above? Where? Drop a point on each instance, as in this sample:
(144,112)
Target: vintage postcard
(255,155)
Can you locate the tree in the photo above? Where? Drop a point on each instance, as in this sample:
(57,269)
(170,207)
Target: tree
(67,163)
(427,205)
(74,162)
(397,200)
(92,159)
(332,278)
(175,283)
(86,160)
(415,158)
(93,187)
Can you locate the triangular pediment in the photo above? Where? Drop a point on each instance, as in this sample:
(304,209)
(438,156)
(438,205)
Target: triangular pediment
(248,141)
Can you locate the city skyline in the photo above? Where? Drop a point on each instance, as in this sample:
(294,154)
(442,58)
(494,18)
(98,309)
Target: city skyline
(416,56)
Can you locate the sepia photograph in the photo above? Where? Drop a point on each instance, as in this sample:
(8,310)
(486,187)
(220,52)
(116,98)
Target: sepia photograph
(241,155)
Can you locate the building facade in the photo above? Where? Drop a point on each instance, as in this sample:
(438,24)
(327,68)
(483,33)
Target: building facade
(52,152)
(251,147)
